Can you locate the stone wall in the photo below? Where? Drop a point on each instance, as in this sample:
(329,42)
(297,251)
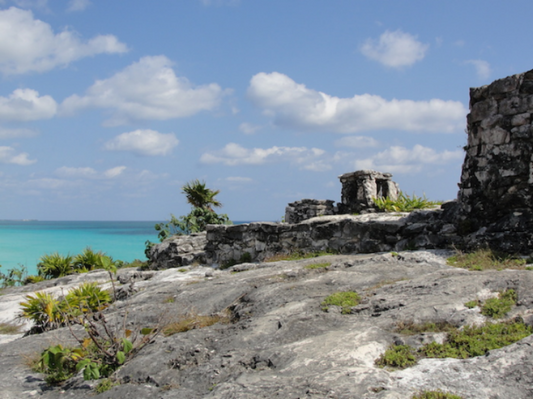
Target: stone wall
(299,211)
(496,188)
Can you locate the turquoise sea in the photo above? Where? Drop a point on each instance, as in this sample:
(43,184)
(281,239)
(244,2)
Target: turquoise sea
(24,242)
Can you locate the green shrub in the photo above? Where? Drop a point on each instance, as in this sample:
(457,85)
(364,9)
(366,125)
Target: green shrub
(397,356)
(87,260)
(13,277)
(54,265)
(499,307)
(477,341)
(404,203)
(471,304)
(88,297)
(59,363)
(43,310)
(345,300)
(105,385)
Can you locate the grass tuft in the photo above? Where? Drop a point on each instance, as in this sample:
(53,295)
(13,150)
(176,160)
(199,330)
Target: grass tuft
(485,259)
(344,299)
(499,307)
(318,265)
(10,328)
(298,255)
(397,356)
(192,321)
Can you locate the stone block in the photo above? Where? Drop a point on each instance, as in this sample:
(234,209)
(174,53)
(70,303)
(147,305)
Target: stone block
(483,110)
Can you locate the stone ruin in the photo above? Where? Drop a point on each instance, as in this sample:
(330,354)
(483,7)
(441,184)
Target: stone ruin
(494,207)
(496,188)
(359,190)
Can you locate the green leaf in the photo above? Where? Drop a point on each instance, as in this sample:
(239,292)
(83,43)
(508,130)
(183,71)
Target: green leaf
(121,357)
(127,345)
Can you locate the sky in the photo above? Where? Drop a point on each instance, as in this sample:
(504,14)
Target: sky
(107,108)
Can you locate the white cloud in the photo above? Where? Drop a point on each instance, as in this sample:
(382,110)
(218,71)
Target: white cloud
(294,105)
(356,142)
(397,159)
(248,128)
(30,45)
(78,5)
(147,89)
(143,142)
(26,105)
(482,68)
(8,155)
(86,172)
(234,154)
(114,172)
(395,49)
(6,133)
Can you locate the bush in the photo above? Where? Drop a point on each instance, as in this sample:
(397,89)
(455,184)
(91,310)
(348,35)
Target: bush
(345,300)
(54,265)
(485,259)
(58,363)
(43,310)
(398,356)
(87,260)
(404,203)
(498,307)
(15,276)
(88,297)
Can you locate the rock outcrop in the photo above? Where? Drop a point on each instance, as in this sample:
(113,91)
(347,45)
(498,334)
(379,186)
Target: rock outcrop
(281,343)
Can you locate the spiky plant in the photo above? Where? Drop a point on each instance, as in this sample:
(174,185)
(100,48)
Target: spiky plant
(87,260)
(44,310)
(54,265)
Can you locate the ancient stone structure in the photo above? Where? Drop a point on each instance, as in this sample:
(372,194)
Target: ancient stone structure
(360,188)
(496,189)
(299,211)
(179,251)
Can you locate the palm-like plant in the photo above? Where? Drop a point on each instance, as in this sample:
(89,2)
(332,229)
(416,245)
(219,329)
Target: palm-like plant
(87,260)
(54,265)
(44,310)
(199,196)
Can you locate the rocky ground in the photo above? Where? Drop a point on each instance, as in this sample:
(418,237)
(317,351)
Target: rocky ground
(280,343)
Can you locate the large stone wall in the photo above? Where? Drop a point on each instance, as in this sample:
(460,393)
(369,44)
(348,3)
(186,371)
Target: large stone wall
(496,188)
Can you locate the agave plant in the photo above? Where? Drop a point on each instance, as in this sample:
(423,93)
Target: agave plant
(44,310)
(54,265)
(87,260)
(88,297)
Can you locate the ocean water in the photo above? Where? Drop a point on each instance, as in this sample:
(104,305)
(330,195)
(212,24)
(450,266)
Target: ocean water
(24,242)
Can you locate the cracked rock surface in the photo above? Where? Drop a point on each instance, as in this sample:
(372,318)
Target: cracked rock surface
(282,344)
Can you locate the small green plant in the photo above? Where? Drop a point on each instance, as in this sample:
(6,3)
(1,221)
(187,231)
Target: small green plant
(477,340)
(471,304)
(59,363)
(105,385)
(43,310)
(436,395)
(54,265)
(88,297)
(86,261)
(485,259)
(397,356)
(344,299)
(322,265)
(404,203)
(499,307)
(13,277)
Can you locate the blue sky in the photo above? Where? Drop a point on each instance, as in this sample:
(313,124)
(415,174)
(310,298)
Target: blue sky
(108,107)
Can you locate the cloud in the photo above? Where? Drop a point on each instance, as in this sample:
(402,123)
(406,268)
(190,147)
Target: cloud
(143,142)
(397,159)
(248,128)
(30,45)
(234,154)
(395,49)
(6,133)
(293,105)
(482,68)
(88,173)
(114,172)
(78,5)
(8,155)
(146,90)
(26,105)
(356,142)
